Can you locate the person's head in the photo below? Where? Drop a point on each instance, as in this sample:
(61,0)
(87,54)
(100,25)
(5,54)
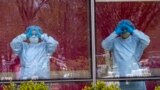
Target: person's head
(33,33)
(125,25)
(125,34)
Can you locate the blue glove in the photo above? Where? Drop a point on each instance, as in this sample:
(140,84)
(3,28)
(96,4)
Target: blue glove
(38,34)
(28,33)
(118,30)
(33,30)
(129,29)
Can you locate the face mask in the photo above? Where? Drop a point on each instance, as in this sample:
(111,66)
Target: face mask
(33,39)
(125,35)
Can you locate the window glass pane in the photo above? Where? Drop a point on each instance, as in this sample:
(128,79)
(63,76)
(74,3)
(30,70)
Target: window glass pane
(120,54)
(64,21)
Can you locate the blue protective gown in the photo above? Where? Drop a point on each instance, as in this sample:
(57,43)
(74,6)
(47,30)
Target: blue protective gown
(34,58)
(126,54)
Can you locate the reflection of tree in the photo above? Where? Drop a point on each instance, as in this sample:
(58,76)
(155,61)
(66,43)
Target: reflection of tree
(68,20)
(109,14)
(29,8)
(140,13)
(80,63)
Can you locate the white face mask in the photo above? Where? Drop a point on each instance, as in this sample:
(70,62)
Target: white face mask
(33,40)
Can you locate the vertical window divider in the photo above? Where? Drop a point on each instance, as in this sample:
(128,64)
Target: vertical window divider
(92,8)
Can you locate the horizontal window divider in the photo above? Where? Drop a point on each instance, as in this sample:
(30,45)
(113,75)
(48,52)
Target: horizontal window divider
(151,78)
(47,81)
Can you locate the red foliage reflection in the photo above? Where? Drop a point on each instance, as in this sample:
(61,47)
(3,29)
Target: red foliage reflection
(66,20)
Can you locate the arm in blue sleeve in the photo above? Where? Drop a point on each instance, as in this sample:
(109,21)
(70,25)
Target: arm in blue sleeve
(144,42)
(107,43)
(51,43)
(16,43)
(144,39)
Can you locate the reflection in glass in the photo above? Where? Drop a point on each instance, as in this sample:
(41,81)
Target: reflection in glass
(5,67)
(153,62)
(65,20)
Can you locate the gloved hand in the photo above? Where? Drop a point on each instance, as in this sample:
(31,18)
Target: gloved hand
(118,30)
(28,33)
(33,30)
(129,29)
(38,34)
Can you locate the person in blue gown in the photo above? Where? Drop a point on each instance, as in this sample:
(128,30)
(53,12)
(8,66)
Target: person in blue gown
(126,44)
(35,54)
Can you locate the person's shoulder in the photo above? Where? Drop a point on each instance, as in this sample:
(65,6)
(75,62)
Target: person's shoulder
(42,43)
(117,38)
(134,38)
(24,43)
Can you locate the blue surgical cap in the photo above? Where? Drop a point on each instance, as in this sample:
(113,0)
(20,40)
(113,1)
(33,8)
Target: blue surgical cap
(36,28)
(126,22)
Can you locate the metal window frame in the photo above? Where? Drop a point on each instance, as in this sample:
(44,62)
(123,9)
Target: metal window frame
(93,62)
